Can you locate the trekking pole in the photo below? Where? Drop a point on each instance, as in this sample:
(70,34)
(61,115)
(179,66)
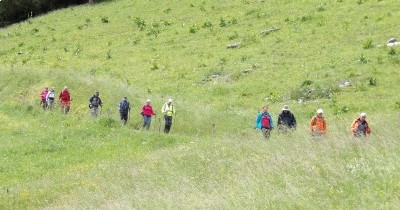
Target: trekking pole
(213,130)
(159,124)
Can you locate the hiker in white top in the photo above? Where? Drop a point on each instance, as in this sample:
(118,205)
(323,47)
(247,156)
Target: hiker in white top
(50,98)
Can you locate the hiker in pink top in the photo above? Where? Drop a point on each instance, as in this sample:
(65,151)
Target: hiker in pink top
(43,95)
(147,111)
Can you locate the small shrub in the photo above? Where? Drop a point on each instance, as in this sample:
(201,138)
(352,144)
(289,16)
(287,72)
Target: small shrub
(140,23)
(392,51)
(78,50)
(207,24)
(109,54)
(155,29)
(360,2)
(154,66)
(380,60)
(306,83)
(233,36)
(320,8)
(305,17)
(222,22)
(372,81)
(105,20)
(362,60)
(168,10)
(397,104)
(193,29)
(368,44)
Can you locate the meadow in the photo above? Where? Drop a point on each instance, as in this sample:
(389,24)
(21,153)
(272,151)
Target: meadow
(291,52)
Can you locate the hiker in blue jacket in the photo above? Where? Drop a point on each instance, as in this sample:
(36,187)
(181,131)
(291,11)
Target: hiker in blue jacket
(264,122)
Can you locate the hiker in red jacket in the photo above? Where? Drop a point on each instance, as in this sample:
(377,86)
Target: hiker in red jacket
(65,100)
(43,95)
(147,111)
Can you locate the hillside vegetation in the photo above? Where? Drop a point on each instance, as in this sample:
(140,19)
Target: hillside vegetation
(290,52)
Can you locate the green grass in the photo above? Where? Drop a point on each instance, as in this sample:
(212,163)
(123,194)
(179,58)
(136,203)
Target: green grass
(162,49)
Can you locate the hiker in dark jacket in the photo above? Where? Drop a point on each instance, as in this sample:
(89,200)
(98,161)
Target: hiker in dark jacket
(124,109)
(360,126)
(94,103)
(286,120)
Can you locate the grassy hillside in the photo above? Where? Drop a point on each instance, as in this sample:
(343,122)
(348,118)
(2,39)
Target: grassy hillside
(291,52)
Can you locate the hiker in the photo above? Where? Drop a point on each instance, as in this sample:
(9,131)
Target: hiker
(94,103)
(65,100)
(50,98)
(264,122)
(318,124)
(147,111)
(124,109)
(286,120)
(168,110)
(43,95)
(360,127)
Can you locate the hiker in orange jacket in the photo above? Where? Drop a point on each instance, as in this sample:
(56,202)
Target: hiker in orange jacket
(360,127)
(318,124)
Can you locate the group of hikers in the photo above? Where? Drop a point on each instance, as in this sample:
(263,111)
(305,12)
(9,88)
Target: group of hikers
(95,102)
(318,125)
(264,122)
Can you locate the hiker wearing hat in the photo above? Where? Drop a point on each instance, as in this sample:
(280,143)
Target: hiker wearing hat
(94,103)
(65,100)
(50,98)
(147,112)
(168,110)
(124,109)
(264,122)
(43,95)
(286,120)
(318,124)
(360,127)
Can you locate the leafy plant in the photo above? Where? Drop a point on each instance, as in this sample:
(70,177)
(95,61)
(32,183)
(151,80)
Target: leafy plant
(392,51)
(140,23)
(104,20)
(368,44)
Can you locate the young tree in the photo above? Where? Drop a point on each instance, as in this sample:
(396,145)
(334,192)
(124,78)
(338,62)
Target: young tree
(91,1)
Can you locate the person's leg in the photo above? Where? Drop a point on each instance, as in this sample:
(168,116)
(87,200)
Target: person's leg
(148,123)
(168,124)
(125,118)
(266,132)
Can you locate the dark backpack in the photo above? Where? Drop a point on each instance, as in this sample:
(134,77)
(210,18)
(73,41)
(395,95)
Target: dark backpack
(265,121)
(95,101)
(124,107)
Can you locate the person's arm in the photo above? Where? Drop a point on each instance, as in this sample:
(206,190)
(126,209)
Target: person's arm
(163,109)
(312,123)
(367,128)
(258,119)
(294,123)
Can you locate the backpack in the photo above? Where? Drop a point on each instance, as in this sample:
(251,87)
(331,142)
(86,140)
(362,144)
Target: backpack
(51,95)
(95,101)
(124,106)
(265,121)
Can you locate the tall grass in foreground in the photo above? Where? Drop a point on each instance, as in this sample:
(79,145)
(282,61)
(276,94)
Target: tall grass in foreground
(56,161)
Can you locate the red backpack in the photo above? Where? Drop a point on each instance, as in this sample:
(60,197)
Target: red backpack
(265,121)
